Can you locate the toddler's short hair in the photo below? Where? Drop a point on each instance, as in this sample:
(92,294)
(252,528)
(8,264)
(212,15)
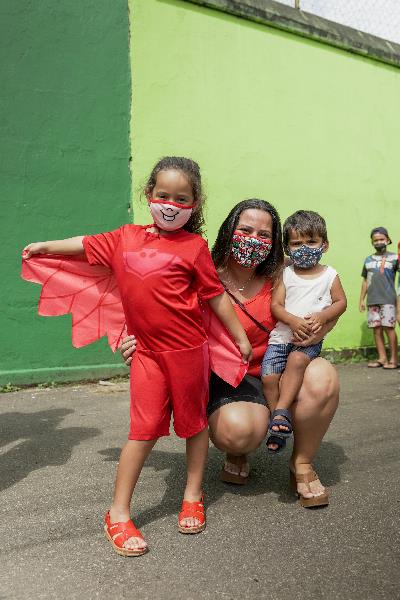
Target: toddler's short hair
(304,222)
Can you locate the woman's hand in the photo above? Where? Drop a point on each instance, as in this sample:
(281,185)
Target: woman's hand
(35,248)
(362,306)
(128,347)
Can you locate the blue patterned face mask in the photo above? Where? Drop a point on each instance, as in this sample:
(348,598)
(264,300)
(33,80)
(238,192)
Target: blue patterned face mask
(306,257)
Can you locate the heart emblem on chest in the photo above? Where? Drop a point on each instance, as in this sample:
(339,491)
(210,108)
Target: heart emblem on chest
(144,263)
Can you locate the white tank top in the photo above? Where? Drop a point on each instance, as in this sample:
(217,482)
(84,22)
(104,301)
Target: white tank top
(303,296)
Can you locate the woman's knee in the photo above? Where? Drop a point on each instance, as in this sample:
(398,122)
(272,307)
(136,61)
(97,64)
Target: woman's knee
(233,438)
(321,382)
(232,432)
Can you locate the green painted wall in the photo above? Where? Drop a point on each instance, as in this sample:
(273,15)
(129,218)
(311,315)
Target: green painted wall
(272,115)
(64,145)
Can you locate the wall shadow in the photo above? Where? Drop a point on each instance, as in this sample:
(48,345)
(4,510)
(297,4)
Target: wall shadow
(43,443)
(269,475)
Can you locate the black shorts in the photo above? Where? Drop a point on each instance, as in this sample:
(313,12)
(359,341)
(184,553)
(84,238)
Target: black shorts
(248,390)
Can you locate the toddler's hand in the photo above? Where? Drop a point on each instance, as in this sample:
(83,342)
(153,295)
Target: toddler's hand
(35,248)
(245,350)
(362,306)
(300,328)
(316,321)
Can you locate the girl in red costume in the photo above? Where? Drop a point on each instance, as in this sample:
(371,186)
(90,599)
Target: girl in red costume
(162,271)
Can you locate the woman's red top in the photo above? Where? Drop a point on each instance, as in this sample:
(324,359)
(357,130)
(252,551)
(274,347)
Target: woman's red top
(260,308)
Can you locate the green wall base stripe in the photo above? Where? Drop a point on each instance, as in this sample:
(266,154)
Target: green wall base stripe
(90,372)
(345,355)
(61,374)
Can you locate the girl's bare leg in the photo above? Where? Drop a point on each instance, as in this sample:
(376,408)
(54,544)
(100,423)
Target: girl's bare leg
(392,337)
(196,457)
(238,428)
(380,344)
(131,461)
(313,412)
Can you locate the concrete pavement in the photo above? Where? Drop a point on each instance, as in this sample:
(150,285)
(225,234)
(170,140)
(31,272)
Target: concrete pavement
(58,455)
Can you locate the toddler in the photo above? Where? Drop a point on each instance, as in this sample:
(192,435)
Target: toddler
(307,297)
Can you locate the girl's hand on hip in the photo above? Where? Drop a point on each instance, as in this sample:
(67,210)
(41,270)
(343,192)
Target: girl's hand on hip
(35,248)
(128,347)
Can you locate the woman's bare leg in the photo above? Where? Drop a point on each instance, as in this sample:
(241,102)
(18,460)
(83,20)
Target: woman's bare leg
(313,412)
(131,461)
(238,428)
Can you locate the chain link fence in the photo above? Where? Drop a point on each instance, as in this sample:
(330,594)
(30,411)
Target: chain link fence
(378,18)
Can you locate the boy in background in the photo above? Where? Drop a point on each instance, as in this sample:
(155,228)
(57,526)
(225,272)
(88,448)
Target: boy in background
(379,272)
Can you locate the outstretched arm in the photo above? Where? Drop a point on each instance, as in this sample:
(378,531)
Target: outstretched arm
(224,310)
(72,245)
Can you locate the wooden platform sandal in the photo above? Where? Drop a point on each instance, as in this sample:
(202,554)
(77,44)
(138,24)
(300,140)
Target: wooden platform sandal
(314,501)
(192,509)
(235,478)
(118,533)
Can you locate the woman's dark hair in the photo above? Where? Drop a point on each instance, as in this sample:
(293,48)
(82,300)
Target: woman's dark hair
(304,222)
(191,169)
(272,265)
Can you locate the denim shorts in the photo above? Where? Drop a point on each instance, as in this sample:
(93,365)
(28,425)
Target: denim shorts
(276,356)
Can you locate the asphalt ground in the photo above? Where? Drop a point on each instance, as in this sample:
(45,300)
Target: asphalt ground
(58,454)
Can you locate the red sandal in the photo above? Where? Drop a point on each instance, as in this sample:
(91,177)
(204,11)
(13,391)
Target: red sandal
(119,532)
(192,509)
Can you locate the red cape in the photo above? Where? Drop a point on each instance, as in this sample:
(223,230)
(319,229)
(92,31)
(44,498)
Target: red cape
(91,295)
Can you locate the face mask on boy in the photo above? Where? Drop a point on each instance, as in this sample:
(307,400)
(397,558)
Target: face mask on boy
(380,246)
(249,251)
(306,257)
(169,216)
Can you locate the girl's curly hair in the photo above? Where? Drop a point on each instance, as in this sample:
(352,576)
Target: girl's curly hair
(191,169)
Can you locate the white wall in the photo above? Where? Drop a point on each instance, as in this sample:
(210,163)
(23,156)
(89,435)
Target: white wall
(379,18)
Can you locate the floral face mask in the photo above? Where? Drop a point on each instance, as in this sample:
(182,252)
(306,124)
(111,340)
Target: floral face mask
(249,250)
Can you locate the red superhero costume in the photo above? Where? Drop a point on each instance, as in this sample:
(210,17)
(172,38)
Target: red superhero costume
(159,279)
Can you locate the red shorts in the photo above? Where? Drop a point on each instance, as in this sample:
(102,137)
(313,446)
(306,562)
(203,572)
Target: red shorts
(174,381)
